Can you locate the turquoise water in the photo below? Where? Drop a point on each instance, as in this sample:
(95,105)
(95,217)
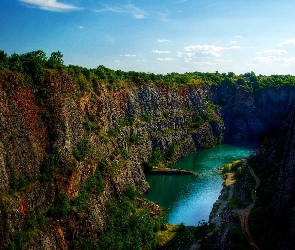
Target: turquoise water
(189,199)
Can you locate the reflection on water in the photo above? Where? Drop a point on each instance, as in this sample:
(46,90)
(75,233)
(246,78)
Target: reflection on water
(189,199)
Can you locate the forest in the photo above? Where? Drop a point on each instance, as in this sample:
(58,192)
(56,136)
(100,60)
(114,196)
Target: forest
(34,64)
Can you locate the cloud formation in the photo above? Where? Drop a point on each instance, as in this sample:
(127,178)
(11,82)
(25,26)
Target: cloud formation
(165,59)
(272,59)
(163,41)
(273,51)
(288,42)
(50,5)
(127,9)
(161,51)
(211,50)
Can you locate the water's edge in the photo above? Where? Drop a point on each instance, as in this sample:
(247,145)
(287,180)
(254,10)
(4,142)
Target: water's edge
(190,199)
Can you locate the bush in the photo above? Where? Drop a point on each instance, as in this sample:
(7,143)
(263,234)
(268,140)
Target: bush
(17,182)
(131,192)
(134,138)
(146,117)
(113,132)
(61,207)
(157,157)
(93,184)
(171,151)
(82,150)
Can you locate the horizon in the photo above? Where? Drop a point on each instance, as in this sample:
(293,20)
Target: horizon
(172,36)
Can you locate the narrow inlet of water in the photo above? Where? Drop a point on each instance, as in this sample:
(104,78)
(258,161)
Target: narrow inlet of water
(189,199)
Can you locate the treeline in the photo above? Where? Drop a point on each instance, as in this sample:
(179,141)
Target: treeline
(34,64)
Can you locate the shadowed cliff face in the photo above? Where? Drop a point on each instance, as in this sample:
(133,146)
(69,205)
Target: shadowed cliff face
(253,115)
(55,141)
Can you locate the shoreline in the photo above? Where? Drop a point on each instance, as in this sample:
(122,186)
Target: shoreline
(171,171)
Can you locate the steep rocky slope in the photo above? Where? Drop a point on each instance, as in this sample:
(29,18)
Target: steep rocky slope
(54,138)
(58,138)
(273,218)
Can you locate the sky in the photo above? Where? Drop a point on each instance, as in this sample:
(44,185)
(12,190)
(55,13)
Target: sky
(158,36)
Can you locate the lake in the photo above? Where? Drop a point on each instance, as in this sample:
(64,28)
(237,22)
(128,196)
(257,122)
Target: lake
(189,198)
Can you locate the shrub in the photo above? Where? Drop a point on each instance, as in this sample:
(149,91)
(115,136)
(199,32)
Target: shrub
(17,182)
(171,151)
(131,192)
(61,207)
(93,184)
(134,138)
(157,157)
(146,117)
(113,132)
(82,150)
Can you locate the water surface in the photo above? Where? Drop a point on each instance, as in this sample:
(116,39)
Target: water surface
(189,199)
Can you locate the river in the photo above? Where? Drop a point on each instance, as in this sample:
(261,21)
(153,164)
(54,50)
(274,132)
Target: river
(189,199)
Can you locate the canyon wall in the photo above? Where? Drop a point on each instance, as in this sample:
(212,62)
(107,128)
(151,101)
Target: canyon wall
(54,137)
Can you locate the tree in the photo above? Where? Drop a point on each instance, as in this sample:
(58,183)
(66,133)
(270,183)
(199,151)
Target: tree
(3,60)
(55,60)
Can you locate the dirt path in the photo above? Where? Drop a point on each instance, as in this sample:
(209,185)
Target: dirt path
(244,213)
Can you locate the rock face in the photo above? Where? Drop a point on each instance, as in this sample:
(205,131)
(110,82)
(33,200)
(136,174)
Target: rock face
(53,138)
(276,161)
(248,115)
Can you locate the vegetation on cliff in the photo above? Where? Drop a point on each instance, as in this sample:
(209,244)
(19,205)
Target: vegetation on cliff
(75,141)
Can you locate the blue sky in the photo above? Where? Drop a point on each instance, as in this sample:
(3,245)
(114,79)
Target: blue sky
(156,36)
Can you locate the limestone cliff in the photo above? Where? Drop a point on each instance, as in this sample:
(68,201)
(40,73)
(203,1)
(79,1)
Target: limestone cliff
(54,137)
(74,144)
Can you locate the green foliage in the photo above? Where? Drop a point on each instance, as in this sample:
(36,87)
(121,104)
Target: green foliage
(198,120)
(131,192)
(166,115)
(203,229)
(125,153)
(92,123)
(3,60)
(128,228)
(55,61)
(113,132)
(82,150)
(92,185)
(171,151)
(17,182)
(21,238)
(47,171)
(61,207)
(157,157)
(146,117)
(88,244)
(134,138)
(126,122)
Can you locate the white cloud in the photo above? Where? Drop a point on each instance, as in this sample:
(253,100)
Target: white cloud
(129,55)
(204,63)
(165,59)
(161,51)
(81,27)
(187,59)
(288,42)
(211,50)
(272,51)
(238,36)
(233,41)
(272,59)
(163,41)
(128,9)
(179,54)
(190,54)
(50,5)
